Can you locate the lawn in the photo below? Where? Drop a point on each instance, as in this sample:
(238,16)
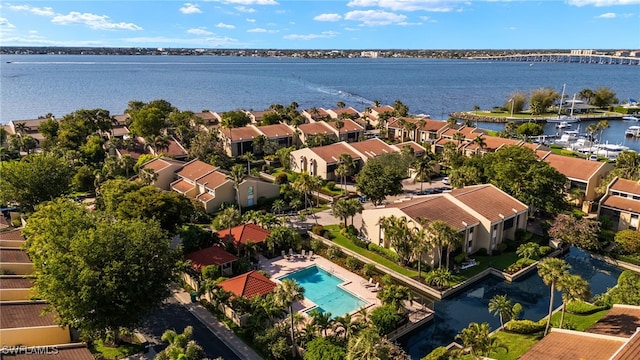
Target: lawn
(122,351)
(339,239)
(517,344)
(578,322)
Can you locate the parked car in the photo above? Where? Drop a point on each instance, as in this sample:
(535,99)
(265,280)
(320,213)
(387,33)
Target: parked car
(445,180)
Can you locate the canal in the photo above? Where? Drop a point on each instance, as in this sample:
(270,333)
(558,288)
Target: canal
(471,305)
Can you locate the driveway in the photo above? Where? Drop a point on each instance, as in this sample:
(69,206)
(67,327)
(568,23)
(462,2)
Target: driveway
(173,315)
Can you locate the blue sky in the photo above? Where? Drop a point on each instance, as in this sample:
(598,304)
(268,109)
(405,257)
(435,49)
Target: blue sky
(334,24)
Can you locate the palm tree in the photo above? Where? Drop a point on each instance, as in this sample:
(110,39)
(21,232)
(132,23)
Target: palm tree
(250,159)
(424,169)
(602,125)
(459,137)
(278,206)
(237,174)
(339,125)
(20,128)
(159,143)
(501,306)
(443,235)
(574,288)
(345,165)
(321,321)
(181,347)
(285,294)
(340,104)
(477,340)
(528,250)
(345,325)
(591,130)
(304,183)
(228,218)
(422,243)
(480,142)
(364,346)
(551,270)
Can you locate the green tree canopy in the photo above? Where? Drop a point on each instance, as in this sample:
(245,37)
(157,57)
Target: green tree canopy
(322,348)
(98,274)
(35,178)
(603,97)
(235,119)
(541,99)
(381,177)
(148,122)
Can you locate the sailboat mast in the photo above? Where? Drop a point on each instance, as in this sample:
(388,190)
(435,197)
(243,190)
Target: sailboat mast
(573,104)
(561,100)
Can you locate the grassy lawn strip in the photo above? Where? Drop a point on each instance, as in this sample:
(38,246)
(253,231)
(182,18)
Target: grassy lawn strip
(122,351)
(518,344)
(339,239)
(579,322)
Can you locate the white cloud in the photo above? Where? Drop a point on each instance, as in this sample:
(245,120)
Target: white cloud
(245,9)
(251,20)
(607,16)
(375,17)
(99,22)
(225,26)
(322,35)
(251,2)
(410,5)
(261,30)
(199,31)
(602,3)
(5,24)
(45,11)
(165,41)
(328,17)
(189,8)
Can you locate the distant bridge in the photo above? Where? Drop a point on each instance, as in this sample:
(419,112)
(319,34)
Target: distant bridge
(565,58)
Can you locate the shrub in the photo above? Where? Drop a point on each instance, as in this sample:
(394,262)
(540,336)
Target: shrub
(282,179)
(360,243)
(583,308)
(317,229)
(502,247)
(458,259)
(511,245)
(353,263)
(525,326)
(331,185)
(523,235)
(334,252)
(369,270)
(439,353)
(438,277)
(481,252)
(545,250)
(351,230)
(317,245)
(389,254)
(384,318)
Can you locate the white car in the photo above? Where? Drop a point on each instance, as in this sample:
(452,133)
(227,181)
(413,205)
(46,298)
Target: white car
(445,180)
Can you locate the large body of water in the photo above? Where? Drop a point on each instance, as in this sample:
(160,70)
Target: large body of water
(471,305)
(34,85)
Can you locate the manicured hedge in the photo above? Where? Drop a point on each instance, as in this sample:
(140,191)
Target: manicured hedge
(388,253)
(525,326)
(583,308)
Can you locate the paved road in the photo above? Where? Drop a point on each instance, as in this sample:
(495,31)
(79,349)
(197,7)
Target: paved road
(172,315)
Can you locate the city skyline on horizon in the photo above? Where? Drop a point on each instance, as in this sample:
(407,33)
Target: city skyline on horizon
(307,25)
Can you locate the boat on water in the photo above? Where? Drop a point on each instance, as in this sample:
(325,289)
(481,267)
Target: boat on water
(610,151)
(630,118)
(632,131)
(563,125)
(565,118)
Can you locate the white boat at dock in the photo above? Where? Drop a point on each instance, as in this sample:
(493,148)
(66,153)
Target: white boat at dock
(630,118)
(563,125)
(632,131)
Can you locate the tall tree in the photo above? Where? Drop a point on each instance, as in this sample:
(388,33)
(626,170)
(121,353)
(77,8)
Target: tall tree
(501,306)
(573,288)
(477,340)
(98,274)
(285,294)
(181,346)
(424,167)
(346,164)
(582,233)
(381,177)
(551,270)
(237,175)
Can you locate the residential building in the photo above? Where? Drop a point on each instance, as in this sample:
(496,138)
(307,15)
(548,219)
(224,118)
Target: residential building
(584,176)
(418,129)
(174,150)
(164,171)
(248,285)
(621,204)
(321,161)
(616,336)
(23,323)
(483,214)
(212,256)
(205,183)
(238,141)
(243,234)
(450,135)
(305,131)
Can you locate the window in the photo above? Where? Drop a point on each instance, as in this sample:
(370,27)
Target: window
(633,225)
(508,224)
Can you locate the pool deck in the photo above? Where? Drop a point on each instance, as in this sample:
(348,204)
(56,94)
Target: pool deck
(279,266)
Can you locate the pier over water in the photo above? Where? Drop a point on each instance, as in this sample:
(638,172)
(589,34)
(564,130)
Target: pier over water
(593,58)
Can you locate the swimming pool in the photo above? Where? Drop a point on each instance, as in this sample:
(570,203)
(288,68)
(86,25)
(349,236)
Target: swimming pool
(322,288)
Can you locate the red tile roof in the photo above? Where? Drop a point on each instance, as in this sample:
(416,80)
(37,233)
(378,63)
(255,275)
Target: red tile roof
(417,148)
(382,109)
(620,320)
(436,207)
(631,350)
(158,164)
(207,116)
(429,124)
(493,143)
(348,126)
(10,255)
(625,185)
(25,314)
(195,169)
(276,131)
(205,197)
(331,153)
(182,186)
(625,204)
(242,133)
(244,233)
(372,148)
(248,285)
(574,168)
(15,282)
(564,345)
(469,132)
(14,234)
(315,128)
(74,352)
(175,149)
(213,180)
(488,201)
(213,255)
